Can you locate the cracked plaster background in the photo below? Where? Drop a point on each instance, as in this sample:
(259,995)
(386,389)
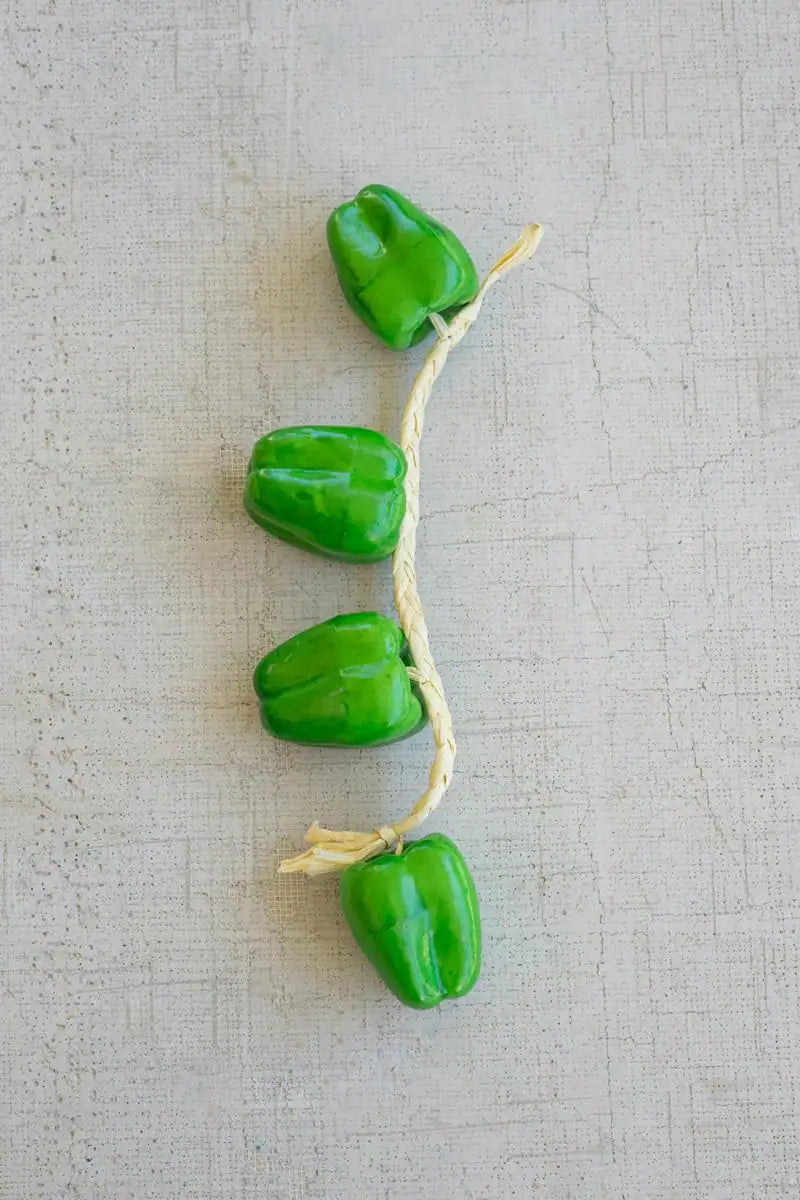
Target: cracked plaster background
(609,557)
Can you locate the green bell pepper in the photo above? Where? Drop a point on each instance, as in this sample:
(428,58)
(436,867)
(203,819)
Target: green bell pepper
(415,916)
(334,490)
(343,682)
(396,265)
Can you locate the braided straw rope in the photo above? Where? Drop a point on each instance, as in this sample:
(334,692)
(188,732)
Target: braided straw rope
(333,850)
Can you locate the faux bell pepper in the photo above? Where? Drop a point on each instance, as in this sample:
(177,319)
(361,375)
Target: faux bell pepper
(415,916)
(335,490)
(343,682)
(396,265)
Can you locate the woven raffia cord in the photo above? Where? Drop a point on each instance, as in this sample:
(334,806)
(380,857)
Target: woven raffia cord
(334,850)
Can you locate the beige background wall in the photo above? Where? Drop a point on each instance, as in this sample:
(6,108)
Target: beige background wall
(609,555)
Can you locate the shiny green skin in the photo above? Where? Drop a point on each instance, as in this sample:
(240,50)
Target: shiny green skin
(396,265)
(344,682)
(336,490)
(415,915)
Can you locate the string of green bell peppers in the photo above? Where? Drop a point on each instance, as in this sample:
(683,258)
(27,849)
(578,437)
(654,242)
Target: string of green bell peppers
(341,492)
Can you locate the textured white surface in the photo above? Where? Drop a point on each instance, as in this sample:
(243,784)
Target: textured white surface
(609,558)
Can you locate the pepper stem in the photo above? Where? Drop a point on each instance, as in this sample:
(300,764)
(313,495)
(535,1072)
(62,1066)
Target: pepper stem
(439,324)
(332,850)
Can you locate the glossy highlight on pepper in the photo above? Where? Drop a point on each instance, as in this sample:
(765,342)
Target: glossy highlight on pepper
(343,682)
(396,265)
(335,490)
(415,916)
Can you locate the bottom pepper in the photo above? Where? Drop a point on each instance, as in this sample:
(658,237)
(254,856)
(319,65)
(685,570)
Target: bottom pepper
(415,916)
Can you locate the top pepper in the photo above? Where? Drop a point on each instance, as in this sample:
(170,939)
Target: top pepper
(396,265)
